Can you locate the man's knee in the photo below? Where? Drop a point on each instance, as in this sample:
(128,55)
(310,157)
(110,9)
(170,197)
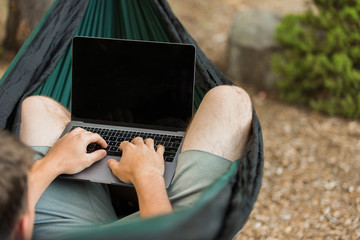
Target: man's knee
(231,98)
(42,121)
(222,124)
(39,104)
(32,105)
(34,102)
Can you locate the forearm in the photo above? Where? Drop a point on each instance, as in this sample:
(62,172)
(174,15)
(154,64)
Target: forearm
(40,176)
(67,156)
(152,195)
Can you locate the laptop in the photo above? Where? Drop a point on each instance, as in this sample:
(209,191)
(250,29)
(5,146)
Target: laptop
(126,88)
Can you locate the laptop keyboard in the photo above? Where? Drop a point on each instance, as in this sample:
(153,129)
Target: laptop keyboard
(114,137)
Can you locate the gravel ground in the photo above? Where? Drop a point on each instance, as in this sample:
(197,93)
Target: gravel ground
(311,184)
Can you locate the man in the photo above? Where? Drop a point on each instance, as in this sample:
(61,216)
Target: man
(216,137)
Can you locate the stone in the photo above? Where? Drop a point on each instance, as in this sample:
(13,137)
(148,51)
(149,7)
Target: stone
(251,45)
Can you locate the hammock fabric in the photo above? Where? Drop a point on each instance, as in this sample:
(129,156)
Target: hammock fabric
(43,64)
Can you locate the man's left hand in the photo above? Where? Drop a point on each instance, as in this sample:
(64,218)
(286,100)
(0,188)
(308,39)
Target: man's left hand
(69,156)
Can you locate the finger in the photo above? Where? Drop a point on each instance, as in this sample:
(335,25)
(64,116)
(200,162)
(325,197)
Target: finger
(78,129)
(137,140)
(116,170)
(100,140)
(160,150)
(96,155)
(150,143)
(113,164)
(94,137)
(123,145)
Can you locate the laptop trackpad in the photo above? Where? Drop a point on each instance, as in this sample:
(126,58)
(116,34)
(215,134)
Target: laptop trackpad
(99,172)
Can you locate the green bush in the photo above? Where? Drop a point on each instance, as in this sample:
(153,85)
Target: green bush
(319,63)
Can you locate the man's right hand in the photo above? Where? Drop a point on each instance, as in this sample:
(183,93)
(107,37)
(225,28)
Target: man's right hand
(138,161)
(144,167)
(69,156)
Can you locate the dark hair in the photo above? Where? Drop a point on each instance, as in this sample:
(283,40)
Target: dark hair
(15,161)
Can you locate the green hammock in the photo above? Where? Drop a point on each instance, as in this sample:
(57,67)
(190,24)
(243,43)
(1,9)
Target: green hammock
(112,19)
(43,66)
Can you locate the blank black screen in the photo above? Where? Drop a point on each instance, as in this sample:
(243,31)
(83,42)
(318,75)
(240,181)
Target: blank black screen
(132,82)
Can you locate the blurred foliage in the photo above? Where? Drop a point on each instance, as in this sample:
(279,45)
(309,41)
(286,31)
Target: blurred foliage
(320,61)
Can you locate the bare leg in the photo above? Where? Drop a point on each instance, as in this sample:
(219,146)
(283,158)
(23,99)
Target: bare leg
(222,123)
(43,120)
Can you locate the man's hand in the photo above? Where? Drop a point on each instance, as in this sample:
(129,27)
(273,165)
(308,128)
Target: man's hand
(139,160)
(68,155)
(144,167)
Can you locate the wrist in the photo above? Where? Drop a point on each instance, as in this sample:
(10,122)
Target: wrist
(145,178)
(152,195)
(49,167)
(40,176)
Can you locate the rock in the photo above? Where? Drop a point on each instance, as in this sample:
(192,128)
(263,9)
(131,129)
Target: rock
(251,46)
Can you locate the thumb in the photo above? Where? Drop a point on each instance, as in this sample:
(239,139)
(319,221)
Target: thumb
(112,164)
(97,155)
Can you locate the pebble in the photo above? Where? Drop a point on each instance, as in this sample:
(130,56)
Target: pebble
(331,185)
(286,217)
(257,225)
(337,214)
(332,219)
(279,170)
(306,224)
(287,128)
(348,222)
(311,159)
(327,210)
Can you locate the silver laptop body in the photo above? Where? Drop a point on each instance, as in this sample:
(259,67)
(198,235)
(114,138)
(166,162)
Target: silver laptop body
(122,86)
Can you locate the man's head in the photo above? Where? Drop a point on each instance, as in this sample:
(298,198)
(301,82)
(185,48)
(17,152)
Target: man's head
(16,219)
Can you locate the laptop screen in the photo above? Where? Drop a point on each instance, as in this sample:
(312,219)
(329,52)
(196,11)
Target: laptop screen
(133,83)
